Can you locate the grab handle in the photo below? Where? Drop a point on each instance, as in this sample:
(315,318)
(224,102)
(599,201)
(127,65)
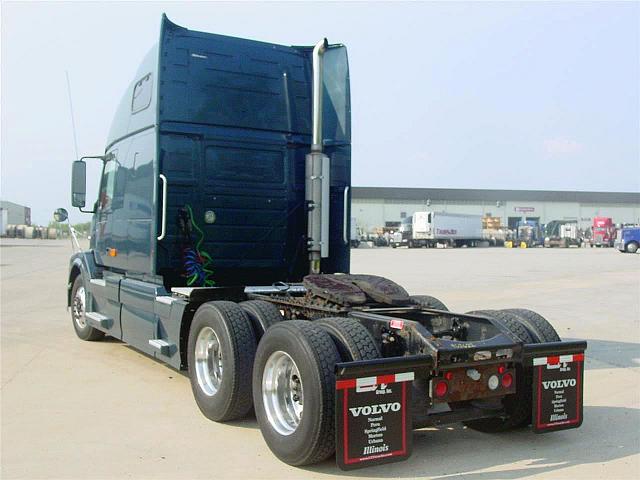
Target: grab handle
(163,229)
(345,219)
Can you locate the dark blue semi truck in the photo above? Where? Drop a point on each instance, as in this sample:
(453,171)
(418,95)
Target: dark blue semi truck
(220,245)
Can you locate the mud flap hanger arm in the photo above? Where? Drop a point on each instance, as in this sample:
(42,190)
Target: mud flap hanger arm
(381,366)
(533,350)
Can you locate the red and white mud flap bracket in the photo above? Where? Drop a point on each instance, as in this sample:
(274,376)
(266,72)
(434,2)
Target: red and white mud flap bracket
(373,410)
(558,380)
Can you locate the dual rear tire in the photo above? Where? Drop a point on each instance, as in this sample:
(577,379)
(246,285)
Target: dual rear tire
(293,391)
(528,327)
(298,420)
(221,349)
(427,301)
(288,377)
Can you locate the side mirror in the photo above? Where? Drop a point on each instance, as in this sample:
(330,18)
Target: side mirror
(60,215)
(79,184)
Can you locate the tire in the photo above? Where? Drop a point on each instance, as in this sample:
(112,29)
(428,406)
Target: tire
(83,330)
(518,405)
(428,301)
(314,356)
(262,315)
(351,338)
(539,328)
(632,247)
(225,395)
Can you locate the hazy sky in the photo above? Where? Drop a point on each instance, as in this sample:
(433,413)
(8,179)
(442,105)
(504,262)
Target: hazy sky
(462,95)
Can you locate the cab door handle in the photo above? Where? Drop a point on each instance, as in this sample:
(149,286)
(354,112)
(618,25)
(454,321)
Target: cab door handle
(163,230)
(345,220)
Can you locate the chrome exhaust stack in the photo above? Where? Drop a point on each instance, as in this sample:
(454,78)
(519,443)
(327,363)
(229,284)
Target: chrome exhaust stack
(318,54)
(317,173)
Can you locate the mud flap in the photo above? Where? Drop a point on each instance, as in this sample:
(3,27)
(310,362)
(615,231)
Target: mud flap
(373,410)
(557,389)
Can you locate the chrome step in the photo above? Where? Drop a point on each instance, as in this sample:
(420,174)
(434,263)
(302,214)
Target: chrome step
(162,346)
(97,320)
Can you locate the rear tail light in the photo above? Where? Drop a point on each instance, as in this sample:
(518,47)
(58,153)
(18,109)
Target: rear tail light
(441,388)
(507,380)
(502,369)
(494,382)
(448,376)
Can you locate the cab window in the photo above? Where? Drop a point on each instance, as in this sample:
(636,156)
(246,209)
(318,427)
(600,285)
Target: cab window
(112,185)
(142,93)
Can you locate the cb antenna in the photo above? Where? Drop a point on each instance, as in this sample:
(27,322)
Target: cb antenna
(73,122)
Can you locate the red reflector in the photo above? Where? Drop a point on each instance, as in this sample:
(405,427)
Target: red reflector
(397,324)
(386,379)
(448,375)
(502,369)
(507,380)
(344,384)
(441,389)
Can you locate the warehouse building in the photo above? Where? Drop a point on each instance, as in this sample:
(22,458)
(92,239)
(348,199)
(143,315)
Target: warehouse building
(374,207)
(15,214)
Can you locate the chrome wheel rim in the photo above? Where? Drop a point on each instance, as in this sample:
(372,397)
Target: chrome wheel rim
(282,394)
(78,309)
(208,361)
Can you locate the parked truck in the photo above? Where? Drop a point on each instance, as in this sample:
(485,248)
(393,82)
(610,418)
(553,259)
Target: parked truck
(451,229)
(562,233)
(528,234)
(404,233)
(603,232)
(220,246)
(628,239)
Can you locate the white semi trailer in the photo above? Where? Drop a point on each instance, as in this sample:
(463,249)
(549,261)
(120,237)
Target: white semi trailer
(4,221)
(354,237)
(451,229)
